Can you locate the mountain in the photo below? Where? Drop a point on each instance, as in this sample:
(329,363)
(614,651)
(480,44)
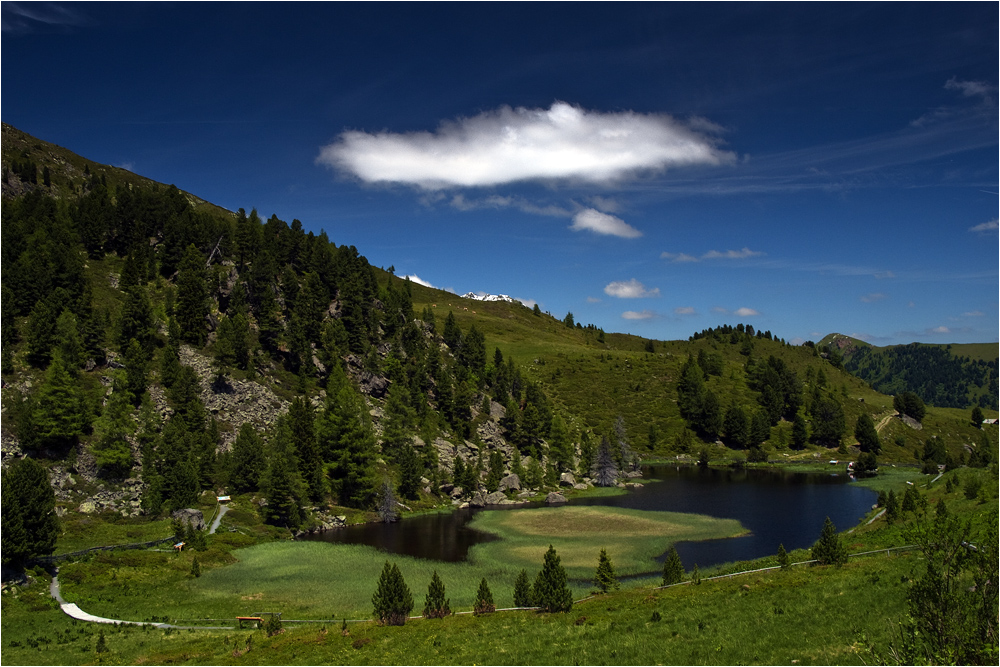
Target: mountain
(484,296)
(161,346)
(950,375)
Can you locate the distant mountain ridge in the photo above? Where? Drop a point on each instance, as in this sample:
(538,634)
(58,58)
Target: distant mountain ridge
(950,375)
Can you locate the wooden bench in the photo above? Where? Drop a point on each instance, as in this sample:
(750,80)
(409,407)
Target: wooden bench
(254,619)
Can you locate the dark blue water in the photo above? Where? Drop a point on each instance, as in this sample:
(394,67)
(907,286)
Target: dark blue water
(777,507)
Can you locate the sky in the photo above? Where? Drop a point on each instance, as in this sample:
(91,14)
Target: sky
(653,168)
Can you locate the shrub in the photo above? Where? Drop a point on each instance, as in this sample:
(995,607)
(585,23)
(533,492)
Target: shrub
(272,626)
(604,577)
(783,559)
(673,569)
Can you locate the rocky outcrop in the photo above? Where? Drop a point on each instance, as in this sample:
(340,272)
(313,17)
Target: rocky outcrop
(510,482)
(370,384)
(189,517)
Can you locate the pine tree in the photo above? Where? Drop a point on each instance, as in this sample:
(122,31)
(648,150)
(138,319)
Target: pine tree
(550,591)
(247,463)
(301,422)
(800,432)
(829,550)
(30,526)
(392,600)
(864,431)
(522,590)
(673,569)
(604,576)
(484,600)
(783,560)
(192,296)
(436,605)
(195,568)
(60,414)
(605,469)
(410,470)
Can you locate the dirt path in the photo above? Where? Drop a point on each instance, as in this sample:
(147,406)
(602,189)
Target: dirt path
(884,421)
(218,519)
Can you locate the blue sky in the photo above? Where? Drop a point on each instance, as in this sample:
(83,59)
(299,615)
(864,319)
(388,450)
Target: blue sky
(653,168)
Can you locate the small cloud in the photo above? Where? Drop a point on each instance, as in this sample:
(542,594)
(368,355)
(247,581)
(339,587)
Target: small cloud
(873,297)
(593,299)
(630,289)
(23,18)
(732,254)
(745,312)
(530,303)
(684,310)
(414,278)
(678,257)
(640,315)
(973,313)
(603,223)
(985,227)
(970,88)
(939,330)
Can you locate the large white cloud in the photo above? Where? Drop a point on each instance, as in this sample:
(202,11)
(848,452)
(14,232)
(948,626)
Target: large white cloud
(562,143)
(630,289)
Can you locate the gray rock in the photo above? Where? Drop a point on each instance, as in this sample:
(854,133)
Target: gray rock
(511,481)
(478,500)
(555,498)
(567,479)
(190,517)
(497,498)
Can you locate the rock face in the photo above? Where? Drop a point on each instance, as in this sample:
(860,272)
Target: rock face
(555,498)
(190,517)
(370,384)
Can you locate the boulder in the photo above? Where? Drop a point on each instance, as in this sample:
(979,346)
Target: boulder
(511,481)
(497,498)
(478,500)
(190,517)
(555,498)
(567,479)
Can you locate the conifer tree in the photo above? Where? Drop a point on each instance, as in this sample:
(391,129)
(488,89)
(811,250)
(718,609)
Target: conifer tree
(281,484)
(495,471)
(30,526)
(392,600)
(673,569)
(522,590)
(605,470)
(864,431)
(248,462)
(192,296)
(550,591)
(60,415)
(436,605)
(783,560)
(484,600)
(410,469)
(604,576)
(829,550)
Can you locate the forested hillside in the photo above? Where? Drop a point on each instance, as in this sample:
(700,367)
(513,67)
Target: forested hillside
(157,347)
(949,376)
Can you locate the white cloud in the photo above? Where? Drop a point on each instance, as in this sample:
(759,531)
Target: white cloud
(684,310)
(530,303)
(593,299)
(418,280)
(984,227)
(732,254)
(973,313)
(606,204)
(745,312)
(939,330)
(630,289)
(562,143)
(463,203)
(712,254)
(970,88)
(603,223)
(678,257)
(638,315)
(873,297)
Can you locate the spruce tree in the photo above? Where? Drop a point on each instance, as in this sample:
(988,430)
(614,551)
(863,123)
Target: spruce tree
(484,600)
(436,605)
(392,599)
(604,576)
(783,560)
(673,569)
(30,526)
(192,296)
(60,415)
(829,550)
(864,431)
(522,590)
(550,591)
(410,469)
(605,469)
(247,462)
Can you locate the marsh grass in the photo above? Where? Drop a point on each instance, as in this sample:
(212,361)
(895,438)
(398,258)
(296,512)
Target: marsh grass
(633,538)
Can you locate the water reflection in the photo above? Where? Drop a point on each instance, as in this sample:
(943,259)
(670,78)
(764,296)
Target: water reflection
(778,507)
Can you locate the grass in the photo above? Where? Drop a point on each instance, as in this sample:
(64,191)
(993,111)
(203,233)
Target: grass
(634,538)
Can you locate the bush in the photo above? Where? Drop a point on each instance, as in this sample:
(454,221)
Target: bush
(673,569)
(272,626)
